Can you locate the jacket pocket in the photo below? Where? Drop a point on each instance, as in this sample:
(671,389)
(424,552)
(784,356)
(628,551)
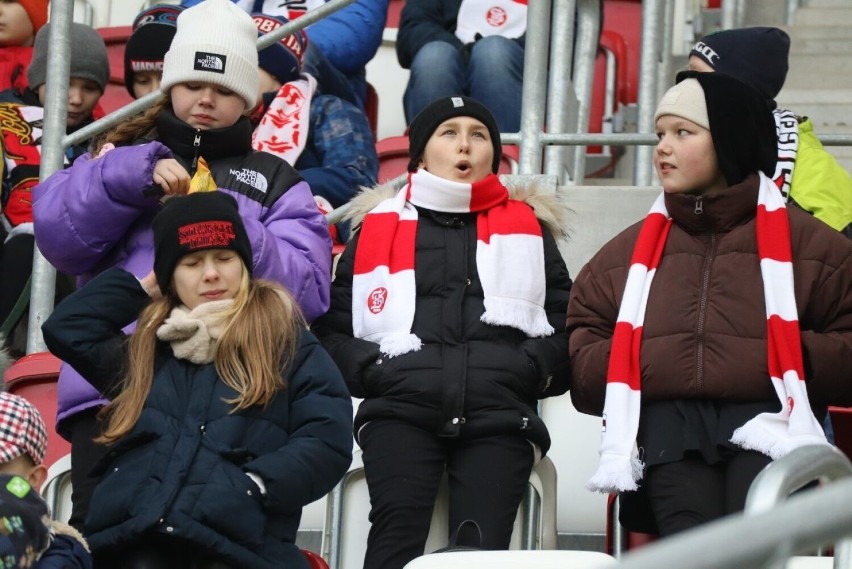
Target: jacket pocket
(231,504)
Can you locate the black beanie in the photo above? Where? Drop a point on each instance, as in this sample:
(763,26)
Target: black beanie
(424,124)
(195,222)
(150,38)
(757,56)
(741,125)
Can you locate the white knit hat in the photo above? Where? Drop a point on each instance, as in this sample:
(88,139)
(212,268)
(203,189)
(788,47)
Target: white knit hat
(216,42)
(685,100)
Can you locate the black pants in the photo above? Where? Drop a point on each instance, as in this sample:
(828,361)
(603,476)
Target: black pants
(690,492)
(404,466)
(85,453)
(158,551)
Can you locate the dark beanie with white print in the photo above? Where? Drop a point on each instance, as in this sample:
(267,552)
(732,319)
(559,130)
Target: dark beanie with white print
(757,56)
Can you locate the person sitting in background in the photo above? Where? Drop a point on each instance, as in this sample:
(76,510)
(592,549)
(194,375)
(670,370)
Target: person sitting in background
(21,129)
(33,539)
(455,47)
(807,174)
(328,140)
(150,38)
(20,21)
(341,44)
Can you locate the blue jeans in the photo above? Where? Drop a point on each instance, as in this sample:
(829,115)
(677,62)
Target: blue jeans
(493,76)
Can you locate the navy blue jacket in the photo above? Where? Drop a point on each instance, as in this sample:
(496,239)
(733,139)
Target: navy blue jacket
(181,471)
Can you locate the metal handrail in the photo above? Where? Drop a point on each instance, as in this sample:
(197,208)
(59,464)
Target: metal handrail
(745,541)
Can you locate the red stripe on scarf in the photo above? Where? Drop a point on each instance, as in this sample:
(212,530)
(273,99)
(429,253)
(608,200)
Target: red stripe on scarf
(487,193)
(515,218)
(396,258)
(773,234)
(651,241)
(785,347)
(624,360)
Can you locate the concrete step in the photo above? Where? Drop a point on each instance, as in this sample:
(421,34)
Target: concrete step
(826,4)
(830,16)
(821,45)
(800,31)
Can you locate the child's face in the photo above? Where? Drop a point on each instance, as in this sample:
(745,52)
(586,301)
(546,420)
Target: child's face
(685,158)
(206,105)
(83,95)
(460,150)
(212,274)
(15,25)
(145,82)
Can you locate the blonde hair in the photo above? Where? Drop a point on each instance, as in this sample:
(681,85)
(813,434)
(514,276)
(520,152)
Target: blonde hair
(142,125)
(256,348)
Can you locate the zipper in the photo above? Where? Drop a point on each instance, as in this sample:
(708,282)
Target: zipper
(196,143)
(699,205)
(702,314)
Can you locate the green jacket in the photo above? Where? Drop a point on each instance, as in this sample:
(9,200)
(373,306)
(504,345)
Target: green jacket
(820,185)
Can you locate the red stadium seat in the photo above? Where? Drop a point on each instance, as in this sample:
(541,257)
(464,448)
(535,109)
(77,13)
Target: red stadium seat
(115,95)
(314,560)
(34,378)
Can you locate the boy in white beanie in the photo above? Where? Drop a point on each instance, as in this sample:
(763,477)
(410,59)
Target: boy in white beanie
(197,138)
(693,333)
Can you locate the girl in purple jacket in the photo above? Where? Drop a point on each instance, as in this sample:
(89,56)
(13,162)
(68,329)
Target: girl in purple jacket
(98,213)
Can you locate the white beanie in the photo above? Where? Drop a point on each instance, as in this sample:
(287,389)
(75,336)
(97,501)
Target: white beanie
(685,100)
(215,42)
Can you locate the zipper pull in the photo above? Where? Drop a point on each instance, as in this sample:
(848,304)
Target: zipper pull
(196,142)
(699,205)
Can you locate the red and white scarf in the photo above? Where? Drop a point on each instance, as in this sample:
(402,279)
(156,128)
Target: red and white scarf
(507,18)
(283,130)
(508,239)
(773,434)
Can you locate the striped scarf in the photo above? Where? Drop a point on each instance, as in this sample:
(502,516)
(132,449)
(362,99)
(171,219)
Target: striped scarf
(508,239)
(773,434)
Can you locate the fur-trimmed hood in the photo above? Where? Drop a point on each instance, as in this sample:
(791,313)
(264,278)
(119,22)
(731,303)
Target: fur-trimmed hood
(549,206)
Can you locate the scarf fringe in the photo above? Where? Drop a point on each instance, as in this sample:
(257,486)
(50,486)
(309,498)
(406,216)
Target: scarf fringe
(519,314)
(397,344)
(617,473)
(769,434)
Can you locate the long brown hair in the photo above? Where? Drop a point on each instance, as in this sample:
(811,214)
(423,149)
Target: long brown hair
(141,125)
(256,347)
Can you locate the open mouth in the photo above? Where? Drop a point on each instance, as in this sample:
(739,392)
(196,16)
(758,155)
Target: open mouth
(463,166)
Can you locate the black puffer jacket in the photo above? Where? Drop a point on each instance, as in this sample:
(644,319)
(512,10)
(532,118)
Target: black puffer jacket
(182,469)
(469,379)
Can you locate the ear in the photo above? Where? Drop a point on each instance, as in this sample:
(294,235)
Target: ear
(37,476)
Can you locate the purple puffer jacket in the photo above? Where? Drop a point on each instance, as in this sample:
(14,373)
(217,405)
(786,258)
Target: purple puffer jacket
(94,215)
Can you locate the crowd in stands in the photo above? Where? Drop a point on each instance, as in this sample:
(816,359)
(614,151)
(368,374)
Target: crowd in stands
(212,342)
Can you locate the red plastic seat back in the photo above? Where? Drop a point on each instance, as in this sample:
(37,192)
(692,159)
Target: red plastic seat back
(34,377)
(115,95)
(314,560)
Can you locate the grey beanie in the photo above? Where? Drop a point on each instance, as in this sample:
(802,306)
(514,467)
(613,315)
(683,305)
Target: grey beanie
(89,58)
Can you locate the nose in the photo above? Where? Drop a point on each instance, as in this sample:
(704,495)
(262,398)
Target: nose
(663,146)
(211,271)
(74,97)
(207,96)
(155,82)
(464,143)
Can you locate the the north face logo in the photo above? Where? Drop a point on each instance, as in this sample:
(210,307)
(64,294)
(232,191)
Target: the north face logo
(210,62)
(252,178)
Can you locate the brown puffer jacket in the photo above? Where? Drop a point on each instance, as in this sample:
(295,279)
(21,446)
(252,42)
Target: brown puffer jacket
(704,335)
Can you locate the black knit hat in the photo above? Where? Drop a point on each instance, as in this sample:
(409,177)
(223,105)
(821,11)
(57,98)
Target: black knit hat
(195,222)
(741,125)
(150,38)
(424,124)
(757,56)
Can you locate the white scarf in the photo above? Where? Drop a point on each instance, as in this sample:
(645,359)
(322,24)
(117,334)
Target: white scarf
(507,18)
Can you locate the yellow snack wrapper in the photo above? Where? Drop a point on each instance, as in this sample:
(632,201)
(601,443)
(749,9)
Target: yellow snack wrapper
(203,180)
